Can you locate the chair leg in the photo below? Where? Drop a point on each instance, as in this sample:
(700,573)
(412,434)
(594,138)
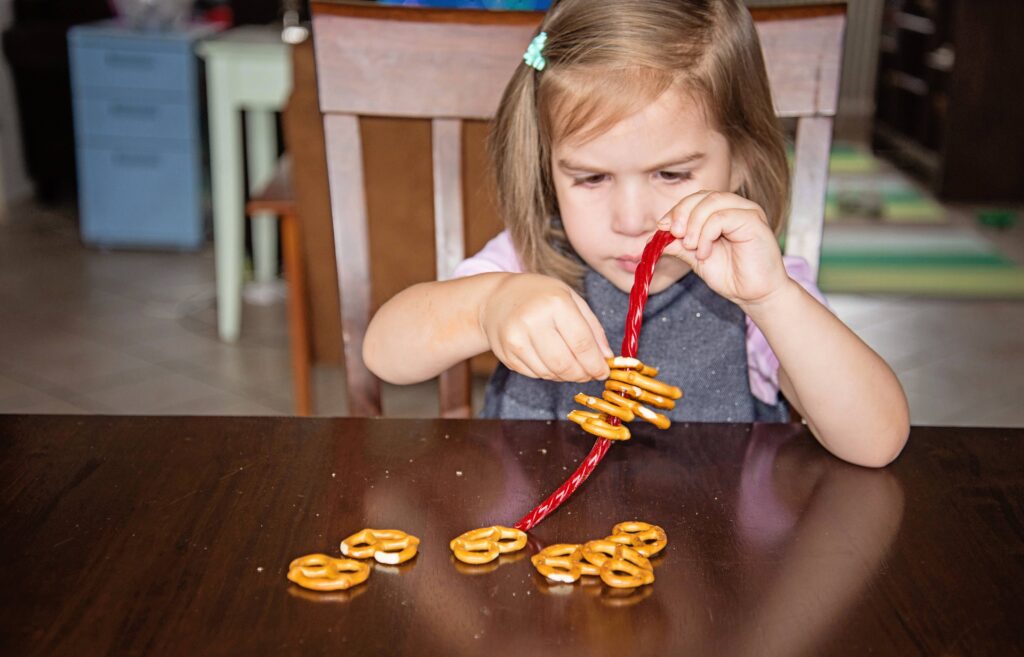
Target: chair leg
(298,313)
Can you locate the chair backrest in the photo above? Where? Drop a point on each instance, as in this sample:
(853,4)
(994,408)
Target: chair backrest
(375,60)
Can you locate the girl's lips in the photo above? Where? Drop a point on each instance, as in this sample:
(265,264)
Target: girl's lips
(628,264)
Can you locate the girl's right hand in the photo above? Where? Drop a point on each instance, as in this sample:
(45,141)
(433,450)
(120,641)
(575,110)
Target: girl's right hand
(538,326)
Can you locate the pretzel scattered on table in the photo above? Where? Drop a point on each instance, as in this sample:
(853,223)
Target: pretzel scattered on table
(321,572)
(619,560)
(479,546)
(388,546)
(645,538)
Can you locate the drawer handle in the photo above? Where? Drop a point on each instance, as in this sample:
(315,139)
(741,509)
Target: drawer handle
(140,160)
(126,60)
(134,111)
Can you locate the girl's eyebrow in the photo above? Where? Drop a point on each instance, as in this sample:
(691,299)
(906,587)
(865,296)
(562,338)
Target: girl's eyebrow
(674,162)
(569,166)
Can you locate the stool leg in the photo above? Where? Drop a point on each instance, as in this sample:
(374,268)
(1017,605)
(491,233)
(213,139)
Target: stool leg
(298,313)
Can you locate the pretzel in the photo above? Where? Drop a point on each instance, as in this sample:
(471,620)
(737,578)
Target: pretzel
(320,572)
(482,545)
(599,551)
(390,546)
(604,406)
(627,363)
(638,409)
(647,383)
(613,558)
(563,563)
(597,424)
(635,575)
(645,538)
(639,394)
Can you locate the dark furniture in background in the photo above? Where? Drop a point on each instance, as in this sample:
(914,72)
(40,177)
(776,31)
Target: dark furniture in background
(949,95)
(36,49)
(172,536)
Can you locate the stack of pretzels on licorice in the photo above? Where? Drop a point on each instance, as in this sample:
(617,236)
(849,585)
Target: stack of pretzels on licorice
(629,383)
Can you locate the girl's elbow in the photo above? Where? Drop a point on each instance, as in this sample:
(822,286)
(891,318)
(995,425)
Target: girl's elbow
(888,446)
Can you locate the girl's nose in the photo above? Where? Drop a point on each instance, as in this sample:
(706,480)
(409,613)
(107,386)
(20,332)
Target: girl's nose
(632,213)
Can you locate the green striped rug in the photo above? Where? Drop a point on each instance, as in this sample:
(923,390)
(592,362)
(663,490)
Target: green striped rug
(940,262)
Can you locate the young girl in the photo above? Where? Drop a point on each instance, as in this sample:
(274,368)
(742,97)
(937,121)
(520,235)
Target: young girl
(629,116)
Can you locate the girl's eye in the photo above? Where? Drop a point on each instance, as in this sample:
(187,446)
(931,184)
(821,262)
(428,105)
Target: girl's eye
(590,181)
(674,176)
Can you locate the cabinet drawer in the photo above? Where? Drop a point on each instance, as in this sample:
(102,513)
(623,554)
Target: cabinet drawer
(139,197)
(125,68)
(134,117)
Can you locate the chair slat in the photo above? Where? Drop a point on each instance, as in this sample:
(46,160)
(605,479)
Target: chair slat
(449,241)
(810,179)
(351,243)
(407,69)
(803,59)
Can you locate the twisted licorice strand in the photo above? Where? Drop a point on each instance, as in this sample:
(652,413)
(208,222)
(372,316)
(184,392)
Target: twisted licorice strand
(630,342)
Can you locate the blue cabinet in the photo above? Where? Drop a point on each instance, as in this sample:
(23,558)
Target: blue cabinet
(137,136)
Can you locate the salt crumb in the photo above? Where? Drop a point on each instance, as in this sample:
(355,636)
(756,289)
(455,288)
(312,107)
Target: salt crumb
(259,569)
(333,475)
(543,450)
(410,460)
(458,473)
(698,315)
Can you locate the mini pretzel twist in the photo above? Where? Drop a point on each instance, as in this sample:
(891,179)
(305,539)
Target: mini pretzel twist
(389,546)
(613,559)
(320,572)
(630,382)
(563,563)
(645,538)
(479,546)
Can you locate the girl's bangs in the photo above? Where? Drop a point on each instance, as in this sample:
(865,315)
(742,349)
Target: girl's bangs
(578,105)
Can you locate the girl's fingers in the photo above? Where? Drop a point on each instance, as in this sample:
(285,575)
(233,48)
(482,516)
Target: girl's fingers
(514,349)
(708,206)
(516,364)
(675,248)
(679,215)
(595,326)
(579,339)
(723,222)
(558,361)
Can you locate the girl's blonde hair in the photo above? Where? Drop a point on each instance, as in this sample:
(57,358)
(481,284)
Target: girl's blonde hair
(606,60)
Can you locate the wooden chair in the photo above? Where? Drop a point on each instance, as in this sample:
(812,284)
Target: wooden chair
(377,60)
(277,197)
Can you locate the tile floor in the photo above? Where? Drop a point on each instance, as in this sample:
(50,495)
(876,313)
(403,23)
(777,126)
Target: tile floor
(86,331)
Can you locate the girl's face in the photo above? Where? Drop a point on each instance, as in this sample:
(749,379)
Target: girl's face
(613,189)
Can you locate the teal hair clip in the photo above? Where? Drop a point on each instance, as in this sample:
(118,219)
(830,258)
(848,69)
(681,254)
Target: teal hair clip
(534,54)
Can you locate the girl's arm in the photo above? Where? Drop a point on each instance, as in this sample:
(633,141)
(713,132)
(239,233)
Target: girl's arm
(850,398)
(535,325)
(427,328)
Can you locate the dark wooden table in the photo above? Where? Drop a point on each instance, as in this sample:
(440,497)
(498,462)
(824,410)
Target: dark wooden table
(172,536)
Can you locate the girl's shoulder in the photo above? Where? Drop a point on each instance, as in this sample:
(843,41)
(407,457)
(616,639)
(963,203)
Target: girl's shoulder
(498,255)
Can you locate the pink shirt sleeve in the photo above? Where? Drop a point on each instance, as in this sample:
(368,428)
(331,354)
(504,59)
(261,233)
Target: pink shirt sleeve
(498,255)
(762,365)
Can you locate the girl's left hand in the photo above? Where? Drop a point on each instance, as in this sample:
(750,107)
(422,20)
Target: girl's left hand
(727,241)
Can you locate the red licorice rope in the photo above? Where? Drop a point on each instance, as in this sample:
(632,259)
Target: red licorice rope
(630,341)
